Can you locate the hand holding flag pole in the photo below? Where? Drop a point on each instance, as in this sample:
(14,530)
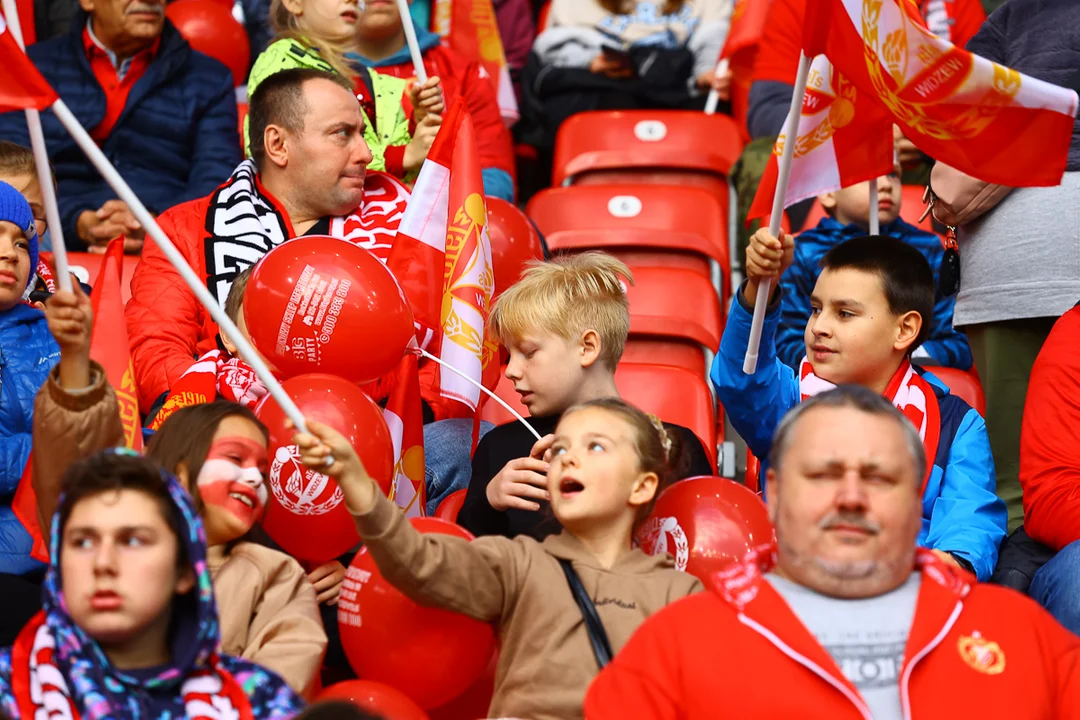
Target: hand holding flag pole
(41,161)
(791,132)
(412,42)
(713,100)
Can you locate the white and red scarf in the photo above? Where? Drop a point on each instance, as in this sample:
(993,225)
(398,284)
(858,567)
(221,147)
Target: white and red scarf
(907,390)
(244,222)
(215,374)
(42,691)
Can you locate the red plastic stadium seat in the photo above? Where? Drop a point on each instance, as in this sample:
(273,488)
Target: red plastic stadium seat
(662,351)
(86,267)
(962,384)
(674,303)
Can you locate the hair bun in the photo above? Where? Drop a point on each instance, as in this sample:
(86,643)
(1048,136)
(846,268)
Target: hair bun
(665,438)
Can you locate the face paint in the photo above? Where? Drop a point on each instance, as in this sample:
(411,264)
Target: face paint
(232,479)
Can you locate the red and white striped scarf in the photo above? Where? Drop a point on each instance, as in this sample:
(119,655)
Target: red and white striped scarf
(907,390)
(215,374)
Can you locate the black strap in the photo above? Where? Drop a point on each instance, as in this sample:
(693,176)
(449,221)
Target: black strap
(597,635)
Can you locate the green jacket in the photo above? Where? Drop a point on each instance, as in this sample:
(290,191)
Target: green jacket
(391,123)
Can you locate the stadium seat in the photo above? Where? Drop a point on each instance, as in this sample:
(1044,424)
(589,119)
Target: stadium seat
(674,303)
(963,384)
(514,241)
(659,225)
(647,350)
(86,267)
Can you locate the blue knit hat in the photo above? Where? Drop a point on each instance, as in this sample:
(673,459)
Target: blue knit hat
(14,209)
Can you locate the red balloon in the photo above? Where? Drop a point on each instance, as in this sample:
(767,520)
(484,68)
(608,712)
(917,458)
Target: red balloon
(210,28)
(431,655)
(319,304)
(376,698)
(514,241)
(473,703)
(451,505)
(707,523)
(306,514)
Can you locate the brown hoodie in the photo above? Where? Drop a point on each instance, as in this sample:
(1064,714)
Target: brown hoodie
(545,660)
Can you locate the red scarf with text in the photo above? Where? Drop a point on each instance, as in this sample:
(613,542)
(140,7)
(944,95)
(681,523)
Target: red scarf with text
(215,374)
(908,391)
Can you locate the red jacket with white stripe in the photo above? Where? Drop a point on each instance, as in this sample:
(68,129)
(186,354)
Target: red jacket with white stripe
(974,651)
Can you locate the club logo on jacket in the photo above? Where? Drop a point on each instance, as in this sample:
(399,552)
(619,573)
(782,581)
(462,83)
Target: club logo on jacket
(652,538)
(981,654)
(299,490)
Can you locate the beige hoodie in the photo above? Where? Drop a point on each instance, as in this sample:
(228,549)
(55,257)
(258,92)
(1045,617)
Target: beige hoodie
(545,660)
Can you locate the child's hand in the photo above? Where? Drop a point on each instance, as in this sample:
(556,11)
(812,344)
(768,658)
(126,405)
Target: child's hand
(417,150)
(71,321)
(767,258)
(325,442)
(327,580)
(541,449)
(519,479)
(427,99)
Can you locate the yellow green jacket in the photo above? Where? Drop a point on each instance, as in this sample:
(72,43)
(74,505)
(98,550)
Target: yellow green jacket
(389,132)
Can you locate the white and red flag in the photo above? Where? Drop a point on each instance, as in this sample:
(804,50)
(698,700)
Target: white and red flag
(404,416)
(844,138)
(23,86)
(982,118)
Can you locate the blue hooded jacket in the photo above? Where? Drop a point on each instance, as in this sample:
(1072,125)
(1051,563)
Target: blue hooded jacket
(99,690)
(961,512)
(947,346)
(497,183)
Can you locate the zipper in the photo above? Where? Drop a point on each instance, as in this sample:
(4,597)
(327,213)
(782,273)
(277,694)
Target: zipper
(905,679)
(808,664)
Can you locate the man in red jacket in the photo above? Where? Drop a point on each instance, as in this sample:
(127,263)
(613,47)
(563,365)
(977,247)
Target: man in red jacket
(307,176)
(855,621)
(1050,468)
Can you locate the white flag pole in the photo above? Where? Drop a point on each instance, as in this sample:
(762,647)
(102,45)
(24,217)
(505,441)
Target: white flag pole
(714,98)
(791,133)
(124,191)
(412,42)
(875,223)
(41,161)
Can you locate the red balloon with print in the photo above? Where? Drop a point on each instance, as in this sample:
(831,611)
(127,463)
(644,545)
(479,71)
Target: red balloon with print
(707,523)
(377,698)
(431,655)
(306,514)
(320,304)
(514,242)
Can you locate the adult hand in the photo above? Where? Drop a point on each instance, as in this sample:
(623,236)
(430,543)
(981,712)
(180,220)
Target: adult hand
(327,580)
(520,479)
(417,150)
(602,65)
(114,218)
(427,99)
(71,320)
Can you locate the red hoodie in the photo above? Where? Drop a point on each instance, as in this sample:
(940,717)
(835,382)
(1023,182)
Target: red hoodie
(1049,452)
(974,651)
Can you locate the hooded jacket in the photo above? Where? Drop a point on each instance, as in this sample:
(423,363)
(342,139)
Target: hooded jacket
(961,512)
(545,659)
(472,82)
(98,690)
(946,345)
(973,650)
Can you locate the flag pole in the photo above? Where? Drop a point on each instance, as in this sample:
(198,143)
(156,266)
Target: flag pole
(875,223)
(124,191)
(412,42)
(41,161)
(791,133)
(714,97)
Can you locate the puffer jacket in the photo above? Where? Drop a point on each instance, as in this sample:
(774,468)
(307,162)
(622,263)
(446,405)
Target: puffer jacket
(27,355)
(176,139)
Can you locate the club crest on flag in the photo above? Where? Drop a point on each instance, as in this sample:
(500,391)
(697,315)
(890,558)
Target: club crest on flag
(128,400)
(829,104)
(469,278)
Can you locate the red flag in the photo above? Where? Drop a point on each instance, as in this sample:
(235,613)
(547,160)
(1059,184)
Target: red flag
(109,341)
(405,418)
(844,138)
(984,119)
(24,507)
(442,244)
(23,87)
(471,29)
(747,26)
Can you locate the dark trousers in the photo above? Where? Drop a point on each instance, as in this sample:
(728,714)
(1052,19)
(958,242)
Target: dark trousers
(21,601)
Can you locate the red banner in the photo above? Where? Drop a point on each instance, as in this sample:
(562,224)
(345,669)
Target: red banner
(22,87)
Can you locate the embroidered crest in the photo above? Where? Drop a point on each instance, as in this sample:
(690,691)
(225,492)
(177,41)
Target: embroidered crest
(981,654)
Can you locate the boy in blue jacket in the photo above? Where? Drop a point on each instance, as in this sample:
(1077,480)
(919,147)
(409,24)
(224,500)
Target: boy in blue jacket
(849,217)
(867,311)
(27,354)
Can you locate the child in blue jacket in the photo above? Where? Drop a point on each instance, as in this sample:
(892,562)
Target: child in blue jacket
(27,354)
(849,217)
(866,320)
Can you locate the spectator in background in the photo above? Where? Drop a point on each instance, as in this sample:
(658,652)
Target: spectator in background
(1050,468)
(380,44)
(855,620)
(514,18)
(849,217)
(18,169)
(164,114)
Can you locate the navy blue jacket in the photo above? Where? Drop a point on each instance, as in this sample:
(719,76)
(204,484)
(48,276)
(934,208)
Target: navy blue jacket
(27,355)
(961,512)
(176,140)
(946,345)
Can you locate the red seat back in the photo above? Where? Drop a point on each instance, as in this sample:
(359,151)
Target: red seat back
(647,350)
(86,267)
(675,303)
(963,384)
(514,241)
